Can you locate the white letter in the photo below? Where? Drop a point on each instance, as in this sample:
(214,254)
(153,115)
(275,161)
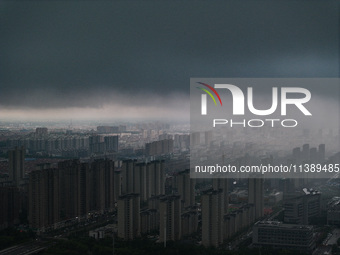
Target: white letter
(289,120)
(261,121)
(262,112)
(219,122)
(238,97)
(204,104)
(243,123)
(272,120)
(297,101)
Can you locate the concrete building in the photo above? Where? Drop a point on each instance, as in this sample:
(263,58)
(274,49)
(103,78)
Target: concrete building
(333,212)
(186,188)
(222,184)
(41,131)
(158,148)
(283,236)
(16,162)
(70,192)
(111,143)
(212,217)
(149,221)
(12,203)
(300,208)
(44,211)
(156,175)
(147,179)
(170,218)
(74,189)
(128,180)
(129,216)
(256,196)
(102,173)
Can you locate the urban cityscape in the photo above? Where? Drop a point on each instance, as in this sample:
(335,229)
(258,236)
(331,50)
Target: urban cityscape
(131,183)
(169,127)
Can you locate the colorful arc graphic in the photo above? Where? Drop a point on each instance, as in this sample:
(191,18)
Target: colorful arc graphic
(208,94)
(213,90)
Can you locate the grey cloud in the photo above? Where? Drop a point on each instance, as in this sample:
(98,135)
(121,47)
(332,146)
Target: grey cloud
(77,54)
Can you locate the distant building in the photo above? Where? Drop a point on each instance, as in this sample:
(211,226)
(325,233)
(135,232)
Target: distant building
(158,148)
(207,138)
(283,236)
(96,144)
(107,129)
(111,143)
(321,153)
(41,131)
(102,232)
(195,139)
(16,162)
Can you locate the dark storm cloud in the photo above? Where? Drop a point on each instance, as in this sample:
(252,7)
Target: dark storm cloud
(88,53)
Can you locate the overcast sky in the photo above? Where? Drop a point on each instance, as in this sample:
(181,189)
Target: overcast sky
(134,59)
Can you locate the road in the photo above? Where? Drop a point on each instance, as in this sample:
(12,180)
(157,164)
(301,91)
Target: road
(25,249)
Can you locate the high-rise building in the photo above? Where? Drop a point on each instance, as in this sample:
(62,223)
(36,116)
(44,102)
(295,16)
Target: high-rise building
(41,131)
(117,185)
(12,203)
(75,189)
(111,143)
(43,199)
(256,196)
(128,180)
(147,179)
(170,218)
(321,153)
(212,217)
(186,188)
(142,181)
(129,216)
(149,221)
(313,155)
(189,222)
(161,147)
(305,151)
(16,162)
(157,177)
(222,184)
(195,139)
(96,144)
(207,138)
(297,155)
(102,172)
